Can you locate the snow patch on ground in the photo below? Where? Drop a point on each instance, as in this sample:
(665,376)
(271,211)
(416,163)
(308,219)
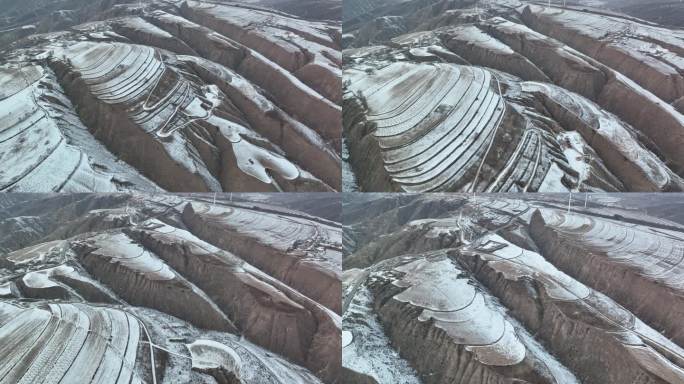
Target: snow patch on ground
(369,350)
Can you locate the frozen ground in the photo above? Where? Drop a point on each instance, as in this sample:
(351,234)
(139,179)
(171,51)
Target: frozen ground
(454,288)
(510,96)
(93,287)
(169,95)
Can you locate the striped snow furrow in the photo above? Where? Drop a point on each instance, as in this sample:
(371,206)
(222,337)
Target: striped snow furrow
(456,142)
(73,344)
(99,61)
(33,150)
(117,362)
(392,105)
(454,160)
(37,157)
(273,229)
(90,356)
(135,64)
(44,146)
(136,88)
(456,169)
(127,373)
(464,112)
(427,126)
(140,86)
(38,362)
(130,73)
(656,254)
(130,85)
(20,334)
(444,87)
(398,105)
(76,325)
(434,121)
(138,79)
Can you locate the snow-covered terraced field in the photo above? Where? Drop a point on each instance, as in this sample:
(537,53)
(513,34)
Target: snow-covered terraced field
(303,253)
(495,288)
(108,284)
(510,96)
(654,256)
(66,342)
(425,151)
(174,95)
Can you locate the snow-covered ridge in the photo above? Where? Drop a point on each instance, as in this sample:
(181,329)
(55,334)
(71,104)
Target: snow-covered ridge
(492,288)
(200,96)
(572,98)
(204,310)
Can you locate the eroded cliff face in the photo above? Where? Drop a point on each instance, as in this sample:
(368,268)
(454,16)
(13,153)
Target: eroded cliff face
(510,96)
(178,96)
(501,288)
(107,283)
